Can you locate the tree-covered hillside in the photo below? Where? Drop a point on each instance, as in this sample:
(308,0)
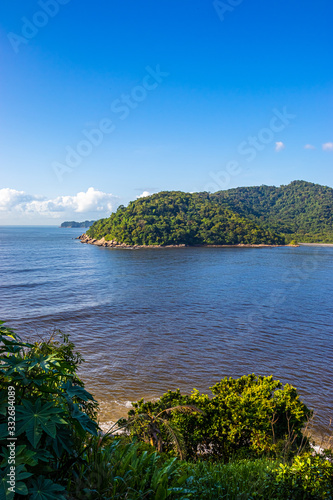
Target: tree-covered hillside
(249,215)
(174,218)
(72,223)
(301,209)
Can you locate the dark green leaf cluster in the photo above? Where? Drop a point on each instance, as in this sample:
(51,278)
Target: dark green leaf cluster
(302,209)
(177,218)
(51,411)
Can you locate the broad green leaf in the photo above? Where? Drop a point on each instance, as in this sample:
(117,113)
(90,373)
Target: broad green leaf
(43,455)
(85,422)
(20,475)
(21,488)
(77,391)
(162,491)
(62,441)
(14,363)
(46,363)
(45,489)
(22,456)
(5,494)
(33,419)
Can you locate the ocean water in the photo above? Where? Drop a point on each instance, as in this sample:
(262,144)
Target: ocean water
(150,320)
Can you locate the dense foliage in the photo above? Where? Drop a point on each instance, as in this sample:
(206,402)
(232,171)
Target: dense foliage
(301,209)
(59,455)
(118,470)
(174,218)
(249,416)
(51,416)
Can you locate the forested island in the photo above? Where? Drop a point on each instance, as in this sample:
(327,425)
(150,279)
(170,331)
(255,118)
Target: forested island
(72,223)
(176,218)
(263,215)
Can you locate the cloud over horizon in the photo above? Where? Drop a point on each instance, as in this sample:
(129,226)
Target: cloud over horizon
(144,194)
(279,146)
(19,203)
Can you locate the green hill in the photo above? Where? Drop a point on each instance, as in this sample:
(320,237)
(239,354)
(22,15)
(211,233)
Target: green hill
(247,215)
(301,210)
(173,218)
(72,223)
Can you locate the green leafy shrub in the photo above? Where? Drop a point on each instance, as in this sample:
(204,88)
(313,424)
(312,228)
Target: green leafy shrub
(53,414)
(309,476)
(249,416)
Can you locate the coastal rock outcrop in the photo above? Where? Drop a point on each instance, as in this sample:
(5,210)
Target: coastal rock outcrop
(84,238)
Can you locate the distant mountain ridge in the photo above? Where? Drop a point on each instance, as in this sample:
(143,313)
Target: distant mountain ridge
(72,223)
(300,209)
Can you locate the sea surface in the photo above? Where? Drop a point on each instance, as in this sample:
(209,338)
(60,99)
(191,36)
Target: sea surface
(150,320)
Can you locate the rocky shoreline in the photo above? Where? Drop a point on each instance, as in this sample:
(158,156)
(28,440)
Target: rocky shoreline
(84,238)
(115,244)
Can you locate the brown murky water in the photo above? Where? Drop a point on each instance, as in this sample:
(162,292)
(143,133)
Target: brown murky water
(147,321)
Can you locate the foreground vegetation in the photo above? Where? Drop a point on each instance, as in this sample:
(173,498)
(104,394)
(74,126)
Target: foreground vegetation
(246,417)
(245,442)
(300,211)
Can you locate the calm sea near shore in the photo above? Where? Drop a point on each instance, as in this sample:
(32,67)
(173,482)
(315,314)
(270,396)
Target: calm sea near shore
(151,320)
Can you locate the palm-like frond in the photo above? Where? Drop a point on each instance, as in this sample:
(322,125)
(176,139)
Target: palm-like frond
(175,436)
(182,409)
(150,426)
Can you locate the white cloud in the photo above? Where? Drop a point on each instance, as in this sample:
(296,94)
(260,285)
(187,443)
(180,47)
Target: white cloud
(91,201)
(144,194)
(328,146)
(10,198)
(279,146)
(309,146)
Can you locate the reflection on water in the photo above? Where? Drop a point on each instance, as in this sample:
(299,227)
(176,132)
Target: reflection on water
(151,320)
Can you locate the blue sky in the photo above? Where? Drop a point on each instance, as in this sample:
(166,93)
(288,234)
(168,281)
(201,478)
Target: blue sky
(102,101)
